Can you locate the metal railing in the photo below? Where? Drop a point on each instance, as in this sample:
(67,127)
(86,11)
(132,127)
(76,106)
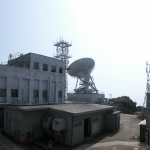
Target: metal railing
(15,56)
(18,101)
(3,63)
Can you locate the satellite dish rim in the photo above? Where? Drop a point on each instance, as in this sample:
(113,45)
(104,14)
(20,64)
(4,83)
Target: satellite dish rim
(81,66)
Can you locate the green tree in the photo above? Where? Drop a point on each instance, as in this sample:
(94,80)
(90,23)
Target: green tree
(124,104)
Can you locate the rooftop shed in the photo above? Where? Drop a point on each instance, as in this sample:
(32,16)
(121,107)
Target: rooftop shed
(81,121)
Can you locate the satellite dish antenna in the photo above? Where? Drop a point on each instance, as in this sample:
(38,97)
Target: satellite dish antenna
(81,69)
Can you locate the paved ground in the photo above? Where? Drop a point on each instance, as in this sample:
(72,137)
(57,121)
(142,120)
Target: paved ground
(127,138)
(6,144)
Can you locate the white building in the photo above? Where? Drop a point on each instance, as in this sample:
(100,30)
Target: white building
(32,79)
(87,98)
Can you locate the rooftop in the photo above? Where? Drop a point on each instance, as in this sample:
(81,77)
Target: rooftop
(73,109)
(18,55)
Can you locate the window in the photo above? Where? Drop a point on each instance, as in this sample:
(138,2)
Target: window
(36,65)
(45,67)
(44,94)
(35,93)
(53,68)
(60,70)
(2,92)
(35,96)
(60,94)
(14,93)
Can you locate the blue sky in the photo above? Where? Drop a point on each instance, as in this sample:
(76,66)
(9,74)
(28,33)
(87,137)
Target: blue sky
(116,34)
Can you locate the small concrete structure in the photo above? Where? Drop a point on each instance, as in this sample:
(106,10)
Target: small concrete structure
(142,125)
(114,121)
(88,98)
(81,121)
(32,79)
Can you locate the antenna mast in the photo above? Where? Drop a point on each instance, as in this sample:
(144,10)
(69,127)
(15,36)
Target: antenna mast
(62,50)
(146,104)
(148,84)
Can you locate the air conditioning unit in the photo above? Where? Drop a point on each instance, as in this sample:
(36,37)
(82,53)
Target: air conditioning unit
(58,124)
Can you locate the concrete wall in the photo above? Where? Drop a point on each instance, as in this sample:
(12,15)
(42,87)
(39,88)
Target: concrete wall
(17,123)
(68,121)
(112,121)
(89,98)
(97,125)
(78,130)
(74,132)
(25,80)
(34,120)
(1,117)
(13,122)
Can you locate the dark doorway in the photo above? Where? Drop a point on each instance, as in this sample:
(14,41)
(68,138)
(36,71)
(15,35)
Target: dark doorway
(87,127)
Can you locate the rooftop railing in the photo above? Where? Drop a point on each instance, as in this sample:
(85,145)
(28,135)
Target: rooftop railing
(15,56)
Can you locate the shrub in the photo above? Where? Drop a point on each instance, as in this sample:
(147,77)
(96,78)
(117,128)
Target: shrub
(139,115)
(147,148)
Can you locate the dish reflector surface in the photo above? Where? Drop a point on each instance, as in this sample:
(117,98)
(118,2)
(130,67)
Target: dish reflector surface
(81,66)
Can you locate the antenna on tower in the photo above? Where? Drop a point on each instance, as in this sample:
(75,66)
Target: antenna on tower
(62,54)
(147,92)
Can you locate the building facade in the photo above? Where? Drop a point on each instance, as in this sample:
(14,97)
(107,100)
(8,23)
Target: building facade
(32,79)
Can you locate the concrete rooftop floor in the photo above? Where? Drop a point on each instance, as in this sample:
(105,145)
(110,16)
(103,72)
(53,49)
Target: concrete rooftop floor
(68,108)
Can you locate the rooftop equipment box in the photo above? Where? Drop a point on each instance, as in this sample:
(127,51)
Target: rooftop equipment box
(58,124)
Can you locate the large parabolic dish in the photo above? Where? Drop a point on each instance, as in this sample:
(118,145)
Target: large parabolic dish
(81,66)
(81,69)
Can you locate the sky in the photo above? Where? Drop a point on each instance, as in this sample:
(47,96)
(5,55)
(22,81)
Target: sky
(116,34)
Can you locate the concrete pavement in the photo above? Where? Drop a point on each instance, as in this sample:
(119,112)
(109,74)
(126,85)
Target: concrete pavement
(6,144)
(116,145)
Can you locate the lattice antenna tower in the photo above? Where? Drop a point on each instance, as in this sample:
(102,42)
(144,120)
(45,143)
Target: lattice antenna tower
(148,83)
(62,53)
(146,98)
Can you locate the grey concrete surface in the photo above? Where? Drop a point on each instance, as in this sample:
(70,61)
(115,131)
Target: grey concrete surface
(88,98)
(69,108)
(81,108)
(7,144)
